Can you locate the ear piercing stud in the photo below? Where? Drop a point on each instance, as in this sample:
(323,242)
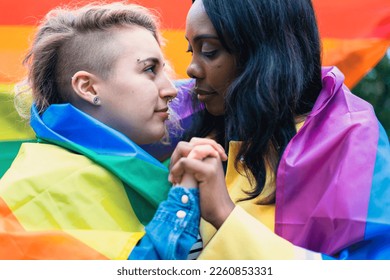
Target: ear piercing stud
(96,101)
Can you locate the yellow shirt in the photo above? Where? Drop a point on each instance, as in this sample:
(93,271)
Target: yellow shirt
(248,232)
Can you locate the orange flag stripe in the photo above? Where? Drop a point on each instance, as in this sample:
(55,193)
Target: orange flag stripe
(13,47)
(353,57)
(16,243)
(13,50)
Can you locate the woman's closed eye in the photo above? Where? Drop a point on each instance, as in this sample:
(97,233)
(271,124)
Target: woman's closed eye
(209,54)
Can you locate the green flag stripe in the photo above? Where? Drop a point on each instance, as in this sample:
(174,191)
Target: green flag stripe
(8,151)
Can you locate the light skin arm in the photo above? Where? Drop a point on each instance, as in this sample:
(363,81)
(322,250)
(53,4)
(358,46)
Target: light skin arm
(204,161)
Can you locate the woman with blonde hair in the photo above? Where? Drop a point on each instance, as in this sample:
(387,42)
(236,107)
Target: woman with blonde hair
(86,189)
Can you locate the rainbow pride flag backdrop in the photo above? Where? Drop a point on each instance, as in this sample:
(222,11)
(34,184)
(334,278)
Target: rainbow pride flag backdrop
(355,34)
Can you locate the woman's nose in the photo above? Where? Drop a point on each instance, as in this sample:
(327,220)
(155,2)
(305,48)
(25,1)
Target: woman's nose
(194,71)
(168,91)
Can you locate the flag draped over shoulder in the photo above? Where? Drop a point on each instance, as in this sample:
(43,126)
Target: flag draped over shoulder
(110,149)
(91,202)
(341,137)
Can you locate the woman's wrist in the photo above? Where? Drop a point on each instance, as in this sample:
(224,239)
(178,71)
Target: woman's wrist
(223,214)
(188,181)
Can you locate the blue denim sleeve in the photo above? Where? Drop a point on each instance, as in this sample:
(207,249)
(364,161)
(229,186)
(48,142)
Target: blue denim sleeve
(174,228)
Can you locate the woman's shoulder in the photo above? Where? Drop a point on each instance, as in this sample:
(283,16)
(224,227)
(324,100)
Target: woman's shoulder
(42,160)
(49,154)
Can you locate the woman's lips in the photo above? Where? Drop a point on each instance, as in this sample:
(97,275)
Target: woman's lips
(163,113)
(204,95)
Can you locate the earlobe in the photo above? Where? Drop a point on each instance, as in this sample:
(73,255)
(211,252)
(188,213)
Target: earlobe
(96,100)
(83,84)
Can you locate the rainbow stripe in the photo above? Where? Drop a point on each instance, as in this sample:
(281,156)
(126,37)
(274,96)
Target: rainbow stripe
(90,203)
(355,34)
(354,43)
(13,130)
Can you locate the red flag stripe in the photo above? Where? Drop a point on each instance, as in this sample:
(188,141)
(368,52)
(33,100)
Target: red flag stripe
(29,12)
(353,19)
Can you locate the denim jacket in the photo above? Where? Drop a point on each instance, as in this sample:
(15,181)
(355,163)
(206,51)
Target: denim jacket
(174,228)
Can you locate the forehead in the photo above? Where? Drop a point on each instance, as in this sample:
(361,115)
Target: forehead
(136,41)
(197,20)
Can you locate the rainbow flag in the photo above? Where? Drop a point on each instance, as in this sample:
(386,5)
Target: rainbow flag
(13,131)
(340,196)
(18,21)
(355,35)
(354,43)
(110,194)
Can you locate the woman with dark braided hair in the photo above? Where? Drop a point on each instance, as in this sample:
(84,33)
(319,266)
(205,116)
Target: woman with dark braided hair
(308,169)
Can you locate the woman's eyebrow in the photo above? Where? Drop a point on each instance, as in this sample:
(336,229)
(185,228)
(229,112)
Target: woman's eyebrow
(149,59)
(205,36)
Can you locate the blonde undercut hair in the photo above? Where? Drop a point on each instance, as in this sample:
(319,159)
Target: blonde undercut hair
(71,39)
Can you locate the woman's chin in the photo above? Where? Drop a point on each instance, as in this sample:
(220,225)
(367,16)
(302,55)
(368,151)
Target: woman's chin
(215,111)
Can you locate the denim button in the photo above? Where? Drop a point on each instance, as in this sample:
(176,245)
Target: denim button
(181,214)
(184,199)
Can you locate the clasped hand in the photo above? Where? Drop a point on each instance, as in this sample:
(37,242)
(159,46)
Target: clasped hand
(198,163)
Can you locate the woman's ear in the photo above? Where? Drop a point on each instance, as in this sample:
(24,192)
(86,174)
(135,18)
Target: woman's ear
(83,84)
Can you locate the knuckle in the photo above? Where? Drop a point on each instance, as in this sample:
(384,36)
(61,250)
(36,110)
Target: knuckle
(180,145)
(195,139)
